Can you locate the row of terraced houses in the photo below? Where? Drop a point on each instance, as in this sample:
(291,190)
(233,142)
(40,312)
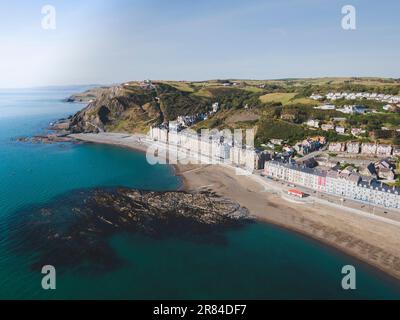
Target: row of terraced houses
(345,184)
(382,150)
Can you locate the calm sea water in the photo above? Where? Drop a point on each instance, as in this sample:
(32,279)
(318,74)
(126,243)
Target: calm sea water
(259,261)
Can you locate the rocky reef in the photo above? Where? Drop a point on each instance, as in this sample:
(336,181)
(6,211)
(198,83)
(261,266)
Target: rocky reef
(73,230)
(57,132)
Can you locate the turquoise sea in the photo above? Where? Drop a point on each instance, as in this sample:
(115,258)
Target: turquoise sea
(259,261)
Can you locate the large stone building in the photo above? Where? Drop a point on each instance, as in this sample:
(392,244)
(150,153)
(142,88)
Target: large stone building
(368,148)
(353,147)
(209,148)
(337,147)
(384,150)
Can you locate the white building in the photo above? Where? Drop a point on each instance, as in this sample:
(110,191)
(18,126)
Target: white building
(215,107)
(327,127)
(353,147)
(317,97)
(368,148)
(384,150)
(340,130)
(348,185)
(388,107)
(313,123)
(357,131)
(348,109)
(326,107)
(337,147)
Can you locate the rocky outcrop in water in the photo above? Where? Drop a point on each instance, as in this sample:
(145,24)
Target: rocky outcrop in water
(73,230)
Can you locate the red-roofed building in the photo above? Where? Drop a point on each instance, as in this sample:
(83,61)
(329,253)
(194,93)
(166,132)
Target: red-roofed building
(296,193)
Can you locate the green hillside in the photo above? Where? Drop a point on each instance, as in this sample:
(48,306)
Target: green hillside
(276,108)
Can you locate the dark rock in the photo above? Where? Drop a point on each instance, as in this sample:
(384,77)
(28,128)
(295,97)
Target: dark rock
(73,230)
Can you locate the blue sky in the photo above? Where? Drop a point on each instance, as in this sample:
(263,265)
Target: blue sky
(99,41)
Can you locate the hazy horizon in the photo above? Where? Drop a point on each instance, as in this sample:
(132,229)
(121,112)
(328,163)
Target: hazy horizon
(195,80)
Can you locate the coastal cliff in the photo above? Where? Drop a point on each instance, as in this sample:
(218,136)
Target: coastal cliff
(133,108)
(118,108)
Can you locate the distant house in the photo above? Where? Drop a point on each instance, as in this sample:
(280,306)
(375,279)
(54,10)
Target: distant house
(289,149)
(326,107)
(288,116)
(388,107)
(385,169)
(337,147)
(354,109)
(384,150)
(368,148)
(327,127)
(339,119)
(276,141)
(340,130)
(215,107)
(313,123)
(357,131)
(396,151)
(384,164)
(353,147)
(316,97)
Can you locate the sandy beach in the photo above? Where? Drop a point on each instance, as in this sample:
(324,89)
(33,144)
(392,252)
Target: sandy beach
(374,241)
(371,241)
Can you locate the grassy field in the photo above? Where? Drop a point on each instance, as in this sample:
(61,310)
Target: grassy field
(180,85)
(203,93)
(303,101)
(283,98)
